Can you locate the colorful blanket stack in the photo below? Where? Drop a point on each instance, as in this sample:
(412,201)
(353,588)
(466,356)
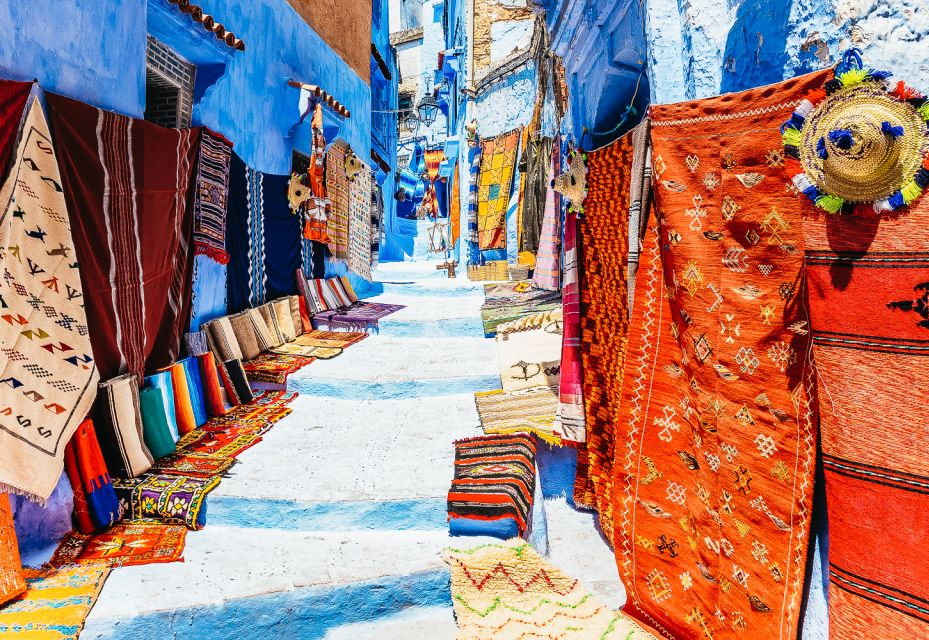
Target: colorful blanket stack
(334,305)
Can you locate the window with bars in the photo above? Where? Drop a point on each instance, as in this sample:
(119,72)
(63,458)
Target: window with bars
(169,86)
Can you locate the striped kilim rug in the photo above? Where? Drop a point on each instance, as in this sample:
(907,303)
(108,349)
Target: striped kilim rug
(528,411)
(507,591)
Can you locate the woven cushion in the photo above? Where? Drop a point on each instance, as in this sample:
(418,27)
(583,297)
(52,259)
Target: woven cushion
(195,388)
(120,426)
(331,298)
(245,335)
(267,312)
(285,321)
(348,288)
(212,388)
(235,382)
(165,386)
(224,340)
(338,290)
(183,406)
(262,333)
(295,314)
(155,429)
(318,304)
(305,315)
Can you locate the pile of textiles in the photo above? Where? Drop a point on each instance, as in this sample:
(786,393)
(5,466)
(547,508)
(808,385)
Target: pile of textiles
(265,342)
(333,304)
(508,301)
(493,486)
(508,591)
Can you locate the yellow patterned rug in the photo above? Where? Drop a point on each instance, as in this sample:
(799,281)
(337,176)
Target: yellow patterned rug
(55,604)
(507,591)
(528,411)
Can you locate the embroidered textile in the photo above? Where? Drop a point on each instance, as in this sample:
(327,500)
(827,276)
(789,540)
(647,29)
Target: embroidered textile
(474,153)
(529,351)
(359,224)
(494,479)
(56,602)
(258,415)
(495,182)
(337,186)
(508,591)
(528,411)
(508,301)
(13,98)
(125,545)
(166,498)
(193,465)
(569,425)
(12,582)
(547,273)
(49,373)
(212,191)
(95,502)
(273,368)
(605,319)
(228,443)
(866,282)
(714,463)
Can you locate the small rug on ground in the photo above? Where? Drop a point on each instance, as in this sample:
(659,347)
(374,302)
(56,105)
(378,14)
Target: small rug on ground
(166,498)
(193,465)
(125,545)
(274,368)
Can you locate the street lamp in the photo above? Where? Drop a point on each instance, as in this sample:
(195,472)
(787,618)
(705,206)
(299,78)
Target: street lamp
(410,122)
(428,109)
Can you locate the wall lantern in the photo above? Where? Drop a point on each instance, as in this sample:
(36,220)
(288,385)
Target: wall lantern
(428,109)
(410,122)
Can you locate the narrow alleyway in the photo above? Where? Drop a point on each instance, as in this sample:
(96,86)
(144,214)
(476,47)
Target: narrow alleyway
(332,527)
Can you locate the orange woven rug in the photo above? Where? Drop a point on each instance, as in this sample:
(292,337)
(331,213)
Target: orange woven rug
(604,318)
(714,464)
(125,545)
(12,582)
(868,291)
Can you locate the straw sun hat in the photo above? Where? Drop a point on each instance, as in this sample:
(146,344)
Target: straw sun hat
(854,142)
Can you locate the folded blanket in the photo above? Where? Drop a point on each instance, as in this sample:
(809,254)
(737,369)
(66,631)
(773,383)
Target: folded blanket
(155,430)
(120,424)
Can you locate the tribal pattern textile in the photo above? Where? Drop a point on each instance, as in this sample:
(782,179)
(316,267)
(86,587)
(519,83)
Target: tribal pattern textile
(474,153)
(498,164)
(13,98)
(454,207)
(56,602)
(508,301)
(245,242)
(529,351)
(640,197)
(12,582)
(166,498)
(193,465)
(867,287)
(125,545)
(212,193)
(494,479)
(49,374)
(569,425)
(527,411)
(273,368)
(359,224)
(332,339)
(605,319)
(537,178)
(128,184)
(228,443)
(260,414)
(547,273)
(293,349)
(714,463)
(360,317)
(338,188)
(508,591)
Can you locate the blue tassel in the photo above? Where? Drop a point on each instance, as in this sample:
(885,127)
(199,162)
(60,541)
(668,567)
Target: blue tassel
(821,148)
(880,75)
(896,201)
(811,192)
(922,178)
(842,138)
(891,130)
(851,59)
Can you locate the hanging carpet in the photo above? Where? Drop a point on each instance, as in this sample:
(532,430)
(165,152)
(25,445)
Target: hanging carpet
(715,455)
(495,181)
(13,97)
(547,273)
(359,223)
(12,582)
(570,425)
(128,185)
(282,237)
(508,301)
(245,242)
(49,373)
(212,193)
(338,188)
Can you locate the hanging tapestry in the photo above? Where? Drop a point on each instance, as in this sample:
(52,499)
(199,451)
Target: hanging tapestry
(513,215)
(337,186)
(494,479)
(11,570)
(547,273)
(474,152)
(640,195)
(528,411)
(507,591)
(56,602)
(868,288)
(507,301)
(529,351)
(46,365)
(454,207)
(538,181)
(13,97)
(605,319)
(245,275)
(569,425)
(377,221)
(282,237)
(125,545)
(166,498)
(128,187)
(212,191)
(208,298)
(498,163)
(716,454)
(359,224)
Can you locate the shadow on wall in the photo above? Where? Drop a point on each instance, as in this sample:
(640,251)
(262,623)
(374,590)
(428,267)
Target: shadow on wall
(756,50)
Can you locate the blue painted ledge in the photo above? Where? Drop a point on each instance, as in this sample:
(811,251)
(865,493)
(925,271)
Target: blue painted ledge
(430,513)
(358,390)
(304,614)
